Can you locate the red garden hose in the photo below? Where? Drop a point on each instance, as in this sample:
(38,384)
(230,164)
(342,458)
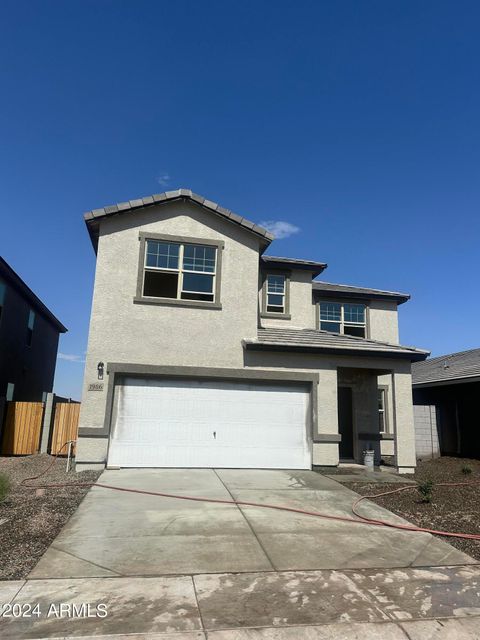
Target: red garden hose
(359,520)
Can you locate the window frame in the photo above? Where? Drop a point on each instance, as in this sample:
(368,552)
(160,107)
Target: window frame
(3,296)
(342,322)
(219,245)
(285,315)
(32,316)
(383,390)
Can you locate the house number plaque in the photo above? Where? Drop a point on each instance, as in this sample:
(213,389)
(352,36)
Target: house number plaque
(95,386)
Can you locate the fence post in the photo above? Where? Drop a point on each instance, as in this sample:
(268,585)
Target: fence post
(47,422)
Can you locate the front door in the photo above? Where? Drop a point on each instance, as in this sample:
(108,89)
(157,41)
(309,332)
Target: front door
(345,422)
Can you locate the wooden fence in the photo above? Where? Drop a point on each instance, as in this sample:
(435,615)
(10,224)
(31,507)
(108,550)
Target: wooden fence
(65,427)
(23,426)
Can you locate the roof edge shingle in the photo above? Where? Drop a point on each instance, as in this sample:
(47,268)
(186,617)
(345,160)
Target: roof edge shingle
(294,263)
(93,216)
(328,342)
(352,291)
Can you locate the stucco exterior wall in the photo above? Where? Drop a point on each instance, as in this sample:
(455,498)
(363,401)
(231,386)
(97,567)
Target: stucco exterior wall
(301,307)
(121,331)
(383,321)
(405,458)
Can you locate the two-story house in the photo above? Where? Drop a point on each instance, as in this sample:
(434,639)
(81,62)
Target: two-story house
(205,352)
(29,334)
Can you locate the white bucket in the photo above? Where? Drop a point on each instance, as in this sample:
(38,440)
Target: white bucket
(368,459)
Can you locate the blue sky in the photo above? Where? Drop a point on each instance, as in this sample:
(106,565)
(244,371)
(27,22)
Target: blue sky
(356,122)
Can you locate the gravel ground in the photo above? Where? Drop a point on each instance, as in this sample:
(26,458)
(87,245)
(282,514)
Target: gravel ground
(455,509)
(29,522)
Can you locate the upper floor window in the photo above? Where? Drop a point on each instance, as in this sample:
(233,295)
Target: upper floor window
(31,322)
(343,318)
(276,293)
(179,271)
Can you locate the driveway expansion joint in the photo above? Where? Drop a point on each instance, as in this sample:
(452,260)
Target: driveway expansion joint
(254,533)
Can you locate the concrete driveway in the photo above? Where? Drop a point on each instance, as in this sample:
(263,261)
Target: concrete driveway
(126,534)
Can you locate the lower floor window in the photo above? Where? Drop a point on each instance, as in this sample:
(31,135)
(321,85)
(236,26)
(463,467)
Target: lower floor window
(382,413)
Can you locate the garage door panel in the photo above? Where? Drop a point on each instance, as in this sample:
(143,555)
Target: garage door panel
(189,423)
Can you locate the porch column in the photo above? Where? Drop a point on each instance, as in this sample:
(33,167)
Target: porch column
(326,437)
(405,459)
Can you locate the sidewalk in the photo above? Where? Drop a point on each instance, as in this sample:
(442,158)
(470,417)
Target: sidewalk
(444,629)
(428,603)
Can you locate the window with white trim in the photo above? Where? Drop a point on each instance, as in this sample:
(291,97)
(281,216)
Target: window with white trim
(382,411)
(276,287)
(179,271)
(346,318)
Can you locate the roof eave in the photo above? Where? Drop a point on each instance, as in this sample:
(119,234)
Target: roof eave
(302,348)
(359,295)
(446,382)
(314,269)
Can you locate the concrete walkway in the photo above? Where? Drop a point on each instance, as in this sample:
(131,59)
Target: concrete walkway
(425,603)
(126,534)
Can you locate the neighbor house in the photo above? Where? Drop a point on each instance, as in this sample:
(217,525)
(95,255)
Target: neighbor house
(445,395)
(205,352)
(29,334)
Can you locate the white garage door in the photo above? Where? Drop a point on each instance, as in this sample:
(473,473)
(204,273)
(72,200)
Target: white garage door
(191,423)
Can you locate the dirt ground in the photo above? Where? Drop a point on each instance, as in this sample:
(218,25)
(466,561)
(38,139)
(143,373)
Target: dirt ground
(28,521)
(455,509)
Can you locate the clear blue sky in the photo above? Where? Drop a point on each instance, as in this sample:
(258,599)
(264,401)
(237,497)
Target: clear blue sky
(357,122)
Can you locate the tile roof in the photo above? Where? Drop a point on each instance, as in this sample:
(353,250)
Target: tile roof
(453,366)
(324,341)
(8,274)
(92,217)
(296,263)
(349,291)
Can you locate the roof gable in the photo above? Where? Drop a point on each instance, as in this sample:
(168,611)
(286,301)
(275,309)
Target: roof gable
(9,275)
(93,218)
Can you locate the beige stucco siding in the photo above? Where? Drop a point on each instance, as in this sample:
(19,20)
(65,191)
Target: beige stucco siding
(383,321)
(121,331)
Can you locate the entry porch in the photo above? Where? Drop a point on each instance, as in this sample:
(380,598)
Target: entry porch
(362,409)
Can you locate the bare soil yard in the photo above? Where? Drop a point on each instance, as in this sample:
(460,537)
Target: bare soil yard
(455,509)
(29,522)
